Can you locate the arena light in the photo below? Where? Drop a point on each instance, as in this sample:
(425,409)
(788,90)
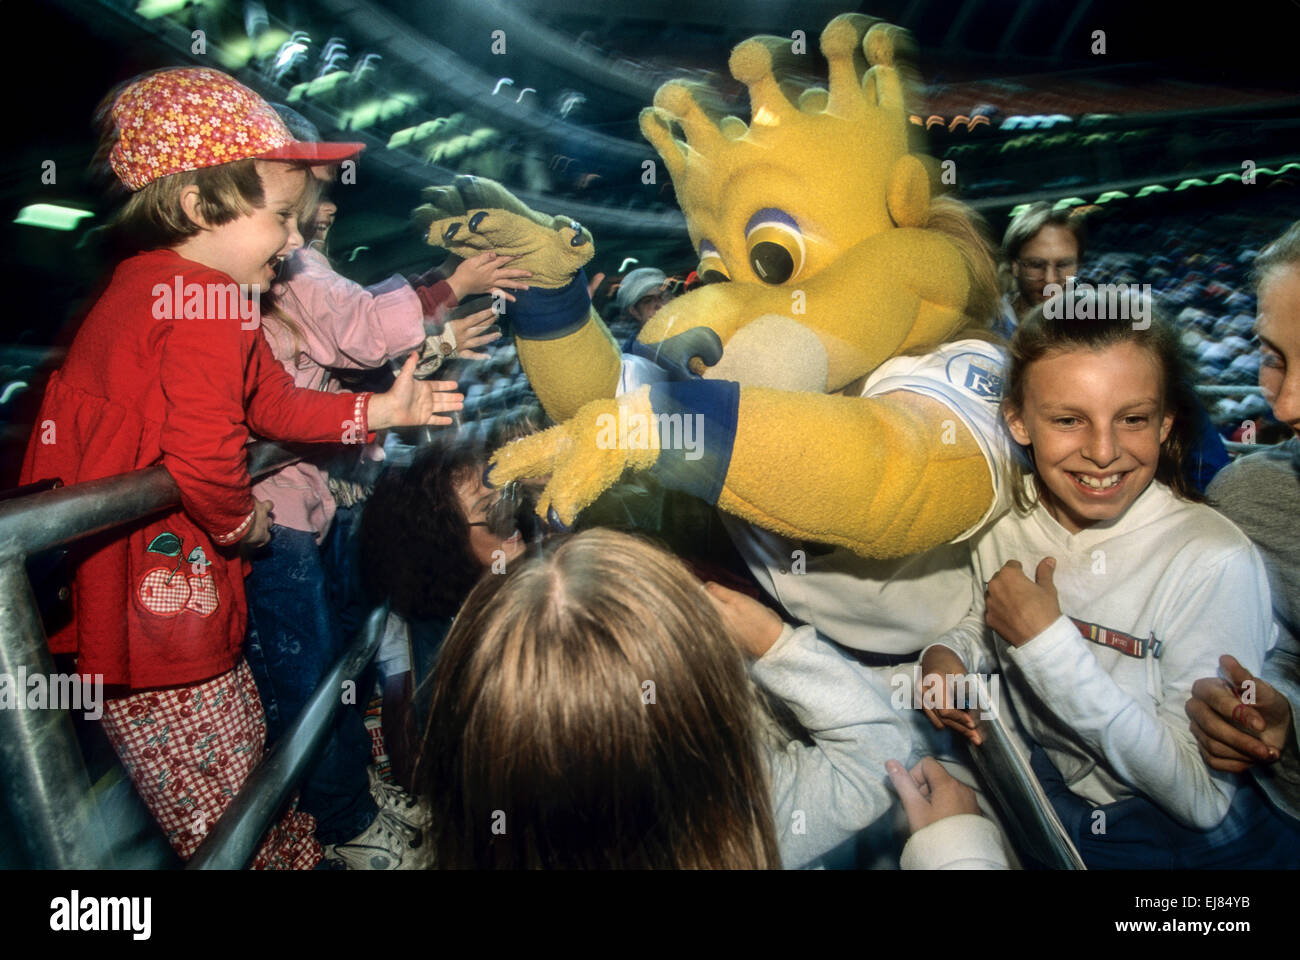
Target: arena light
(317,87)
(51,216)
(153,9)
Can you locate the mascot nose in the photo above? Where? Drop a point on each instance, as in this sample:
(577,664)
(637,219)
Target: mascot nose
(677,353)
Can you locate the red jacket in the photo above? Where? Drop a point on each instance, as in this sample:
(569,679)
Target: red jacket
(161,602)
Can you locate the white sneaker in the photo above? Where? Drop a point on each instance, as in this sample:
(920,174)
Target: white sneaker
(402,805)
(389,843)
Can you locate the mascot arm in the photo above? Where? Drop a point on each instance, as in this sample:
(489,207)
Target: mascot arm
(884,476)
(569,356)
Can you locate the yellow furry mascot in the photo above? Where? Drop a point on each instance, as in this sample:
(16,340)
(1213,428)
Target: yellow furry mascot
(827,389)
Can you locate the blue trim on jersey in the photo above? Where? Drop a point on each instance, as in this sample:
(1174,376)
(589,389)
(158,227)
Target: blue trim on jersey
(540,314)
(697,432)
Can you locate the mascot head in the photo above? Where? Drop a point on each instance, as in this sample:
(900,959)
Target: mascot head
(811,223)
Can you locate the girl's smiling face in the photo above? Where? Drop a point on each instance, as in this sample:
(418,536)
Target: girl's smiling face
(248,249)
(1095,420)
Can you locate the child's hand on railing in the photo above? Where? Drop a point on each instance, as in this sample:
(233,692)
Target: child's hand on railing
(939,668)
(258,533)
(414,403)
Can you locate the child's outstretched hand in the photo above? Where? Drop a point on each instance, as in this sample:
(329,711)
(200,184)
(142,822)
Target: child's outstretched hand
(930,793)
(474,331)
(487,272)
(753,626)
(1234,735)
(414,403)
(1020,609)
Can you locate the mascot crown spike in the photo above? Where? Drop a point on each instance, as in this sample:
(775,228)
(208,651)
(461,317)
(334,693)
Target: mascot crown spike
(834,162)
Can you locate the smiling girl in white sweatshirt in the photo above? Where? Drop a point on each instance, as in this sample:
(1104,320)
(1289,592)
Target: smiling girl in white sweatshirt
(1108,593)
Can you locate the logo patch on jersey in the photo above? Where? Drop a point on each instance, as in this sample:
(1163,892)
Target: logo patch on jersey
(975,373)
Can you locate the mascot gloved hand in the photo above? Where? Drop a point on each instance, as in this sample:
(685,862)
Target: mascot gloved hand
(583,456)
(473,215)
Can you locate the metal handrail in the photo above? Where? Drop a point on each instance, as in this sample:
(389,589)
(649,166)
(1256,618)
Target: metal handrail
(41,521)
(45,784)
(231,844)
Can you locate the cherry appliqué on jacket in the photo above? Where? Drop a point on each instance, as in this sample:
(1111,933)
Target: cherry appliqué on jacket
(167,591)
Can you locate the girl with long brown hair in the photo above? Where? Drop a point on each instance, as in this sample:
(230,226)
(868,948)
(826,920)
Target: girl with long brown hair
(592,709)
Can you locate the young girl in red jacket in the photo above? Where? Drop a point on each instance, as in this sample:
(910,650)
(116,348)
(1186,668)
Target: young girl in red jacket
(170,367)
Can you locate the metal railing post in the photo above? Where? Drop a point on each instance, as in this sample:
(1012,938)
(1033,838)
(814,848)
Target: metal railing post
(45,779)
(43,776)
(231,844)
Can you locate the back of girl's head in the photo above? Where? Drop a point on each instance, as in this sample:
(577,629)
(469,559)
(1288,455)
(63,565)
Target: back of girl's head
(1047,331)
(589,710)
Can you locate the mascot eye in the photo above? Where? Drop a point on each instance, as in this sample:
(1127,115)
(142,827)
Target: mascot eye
(711,268)
(775,246)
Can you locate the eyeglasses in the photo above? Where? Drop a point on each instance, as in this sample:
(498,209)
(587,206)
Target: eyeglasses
(1035,268)
(500,518)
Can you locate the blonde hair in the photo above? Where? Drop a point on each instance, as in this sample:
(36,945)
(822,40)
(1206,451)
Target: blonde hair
(966,230)
(591,706)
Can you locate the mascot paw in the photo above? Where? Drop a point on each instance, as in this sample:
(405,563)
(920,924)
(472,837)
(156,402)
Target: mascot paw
(473,215)
(583,456)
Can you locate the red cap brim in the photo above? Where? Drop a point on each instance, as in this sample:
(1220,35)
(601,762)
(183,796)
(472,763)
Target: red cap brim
(314,153)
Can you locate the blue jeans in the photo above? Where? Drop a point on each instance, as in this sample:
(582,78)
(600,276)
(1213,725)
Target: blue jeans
(341,552)
(1141,836)
(293,640)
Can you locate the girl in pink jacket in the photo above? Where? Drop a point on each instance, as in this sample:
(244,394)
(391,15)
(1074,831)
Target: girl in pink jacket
(324,321)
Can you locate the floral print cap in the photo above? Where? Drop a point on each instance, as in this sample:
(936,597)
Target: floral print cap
(193,117)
